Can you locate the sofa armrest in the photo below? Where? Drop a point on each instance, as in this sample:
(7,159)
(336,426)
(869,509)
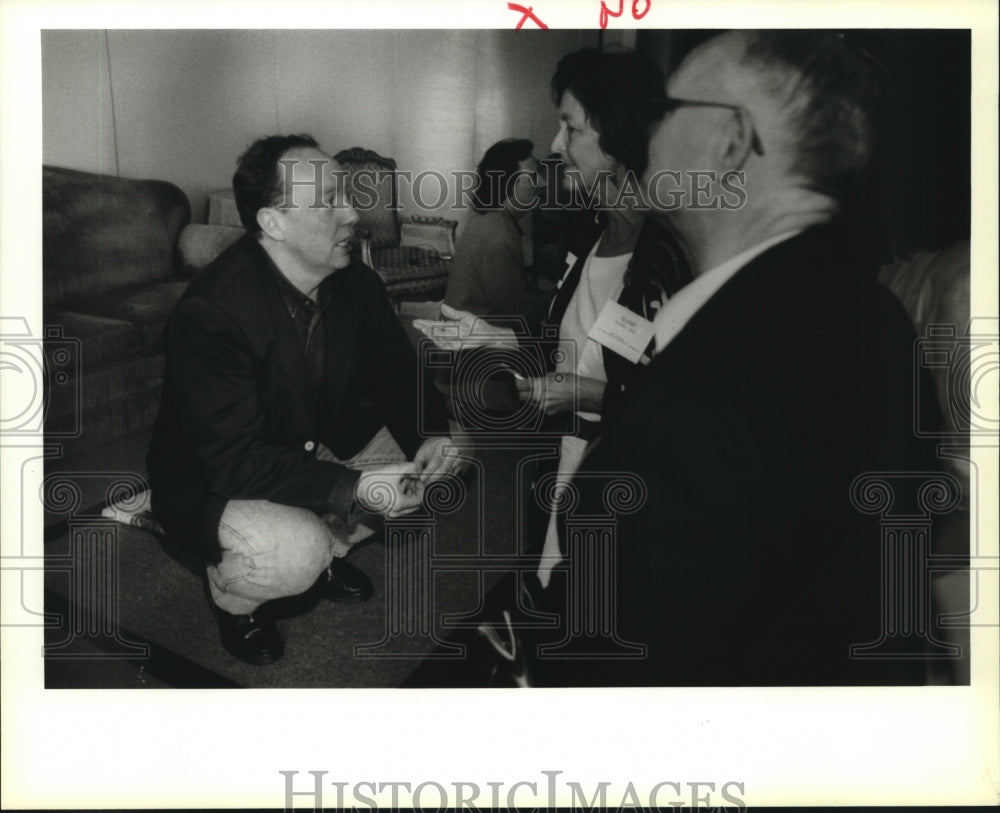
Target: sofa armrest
(436,233)
(200,244)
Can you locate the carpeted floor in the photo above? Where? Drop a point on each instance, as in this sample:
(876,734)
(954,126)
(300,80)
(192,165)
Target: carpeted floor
(148,625)
(145,622)
(128,611)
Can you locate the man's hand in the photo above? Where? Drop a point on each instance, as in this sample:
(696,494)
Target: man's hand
(394,490)
(561,392)
(433,459)
(461,330)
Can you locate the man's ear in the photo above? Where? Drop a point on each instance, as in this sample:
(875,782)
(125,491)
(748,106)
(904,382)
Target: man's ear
(269,220)
(737,141)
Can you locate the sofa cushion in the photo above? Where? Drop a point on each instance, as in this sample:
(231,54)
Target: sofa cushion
(200,244)
(108,385)
(105,233)
(103,340)
(132,412)
(144,306)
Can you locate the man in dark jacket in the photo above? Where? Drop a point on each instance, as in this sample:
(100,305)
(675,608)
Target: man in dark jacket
(743,553)
(284,358)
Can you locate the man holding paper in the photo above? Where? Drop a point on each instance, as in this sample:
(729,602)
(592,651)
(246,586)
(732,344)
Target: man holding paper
(290,405)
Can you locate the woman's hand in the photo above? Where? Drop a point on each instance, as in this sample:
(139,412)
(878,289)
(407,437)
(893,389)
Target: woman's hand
(461,330)
(562,392)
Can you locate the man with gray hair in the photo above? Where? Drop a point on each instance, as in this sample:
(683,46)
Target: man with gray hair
(782,374)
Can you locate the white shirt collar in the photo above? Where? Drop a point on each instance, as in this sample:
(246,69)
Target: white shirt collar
(678,310)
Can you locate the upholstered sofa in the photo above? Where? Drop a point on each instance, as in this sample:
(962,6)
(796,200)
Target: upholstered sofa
(117,254)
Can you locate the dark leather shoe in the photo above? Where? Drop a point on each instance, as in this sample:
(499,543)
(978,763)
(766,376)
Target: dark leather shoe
(251,638)
(346,584)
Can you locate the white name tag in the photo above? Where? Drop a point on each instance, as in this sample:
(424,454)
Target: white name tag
(622,331)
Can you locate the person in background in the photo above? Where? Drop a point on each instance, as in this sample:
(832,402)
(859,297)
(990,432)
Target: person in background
(487,273)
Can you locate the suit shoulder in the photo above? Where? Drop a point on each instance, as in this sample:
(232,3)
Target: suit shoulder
(233,284)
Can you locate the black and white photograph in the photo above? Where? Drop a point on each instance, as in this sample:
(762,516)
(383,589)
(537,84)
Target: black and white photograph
(484,380)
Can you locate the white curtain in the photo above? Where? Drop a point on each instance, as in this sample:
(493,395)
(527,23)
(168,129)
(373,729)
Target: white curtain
(432,100)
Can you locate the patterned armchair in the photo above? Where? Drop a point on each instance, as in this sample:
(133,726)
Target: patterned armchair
(412,255)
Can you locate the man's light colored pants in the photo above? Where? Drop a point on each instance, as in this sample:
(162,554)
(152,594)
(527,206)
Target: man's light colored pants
(271,551)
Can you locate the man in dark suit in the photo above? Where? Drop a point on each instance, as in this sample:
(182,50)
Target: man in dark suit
(782,374)
(284,358)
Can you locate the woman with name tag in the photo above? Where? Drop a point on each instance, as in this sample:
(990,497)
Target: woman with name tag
(607,104)
(603,134)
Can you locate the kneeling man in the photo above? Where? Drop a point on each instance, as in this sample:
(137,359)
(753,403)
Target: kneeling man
(285,358)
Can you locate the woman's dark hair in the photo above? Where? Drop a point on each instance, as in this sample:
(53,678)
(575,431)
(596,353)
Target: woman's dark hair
(621,93)
(496,172)
(257,182)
